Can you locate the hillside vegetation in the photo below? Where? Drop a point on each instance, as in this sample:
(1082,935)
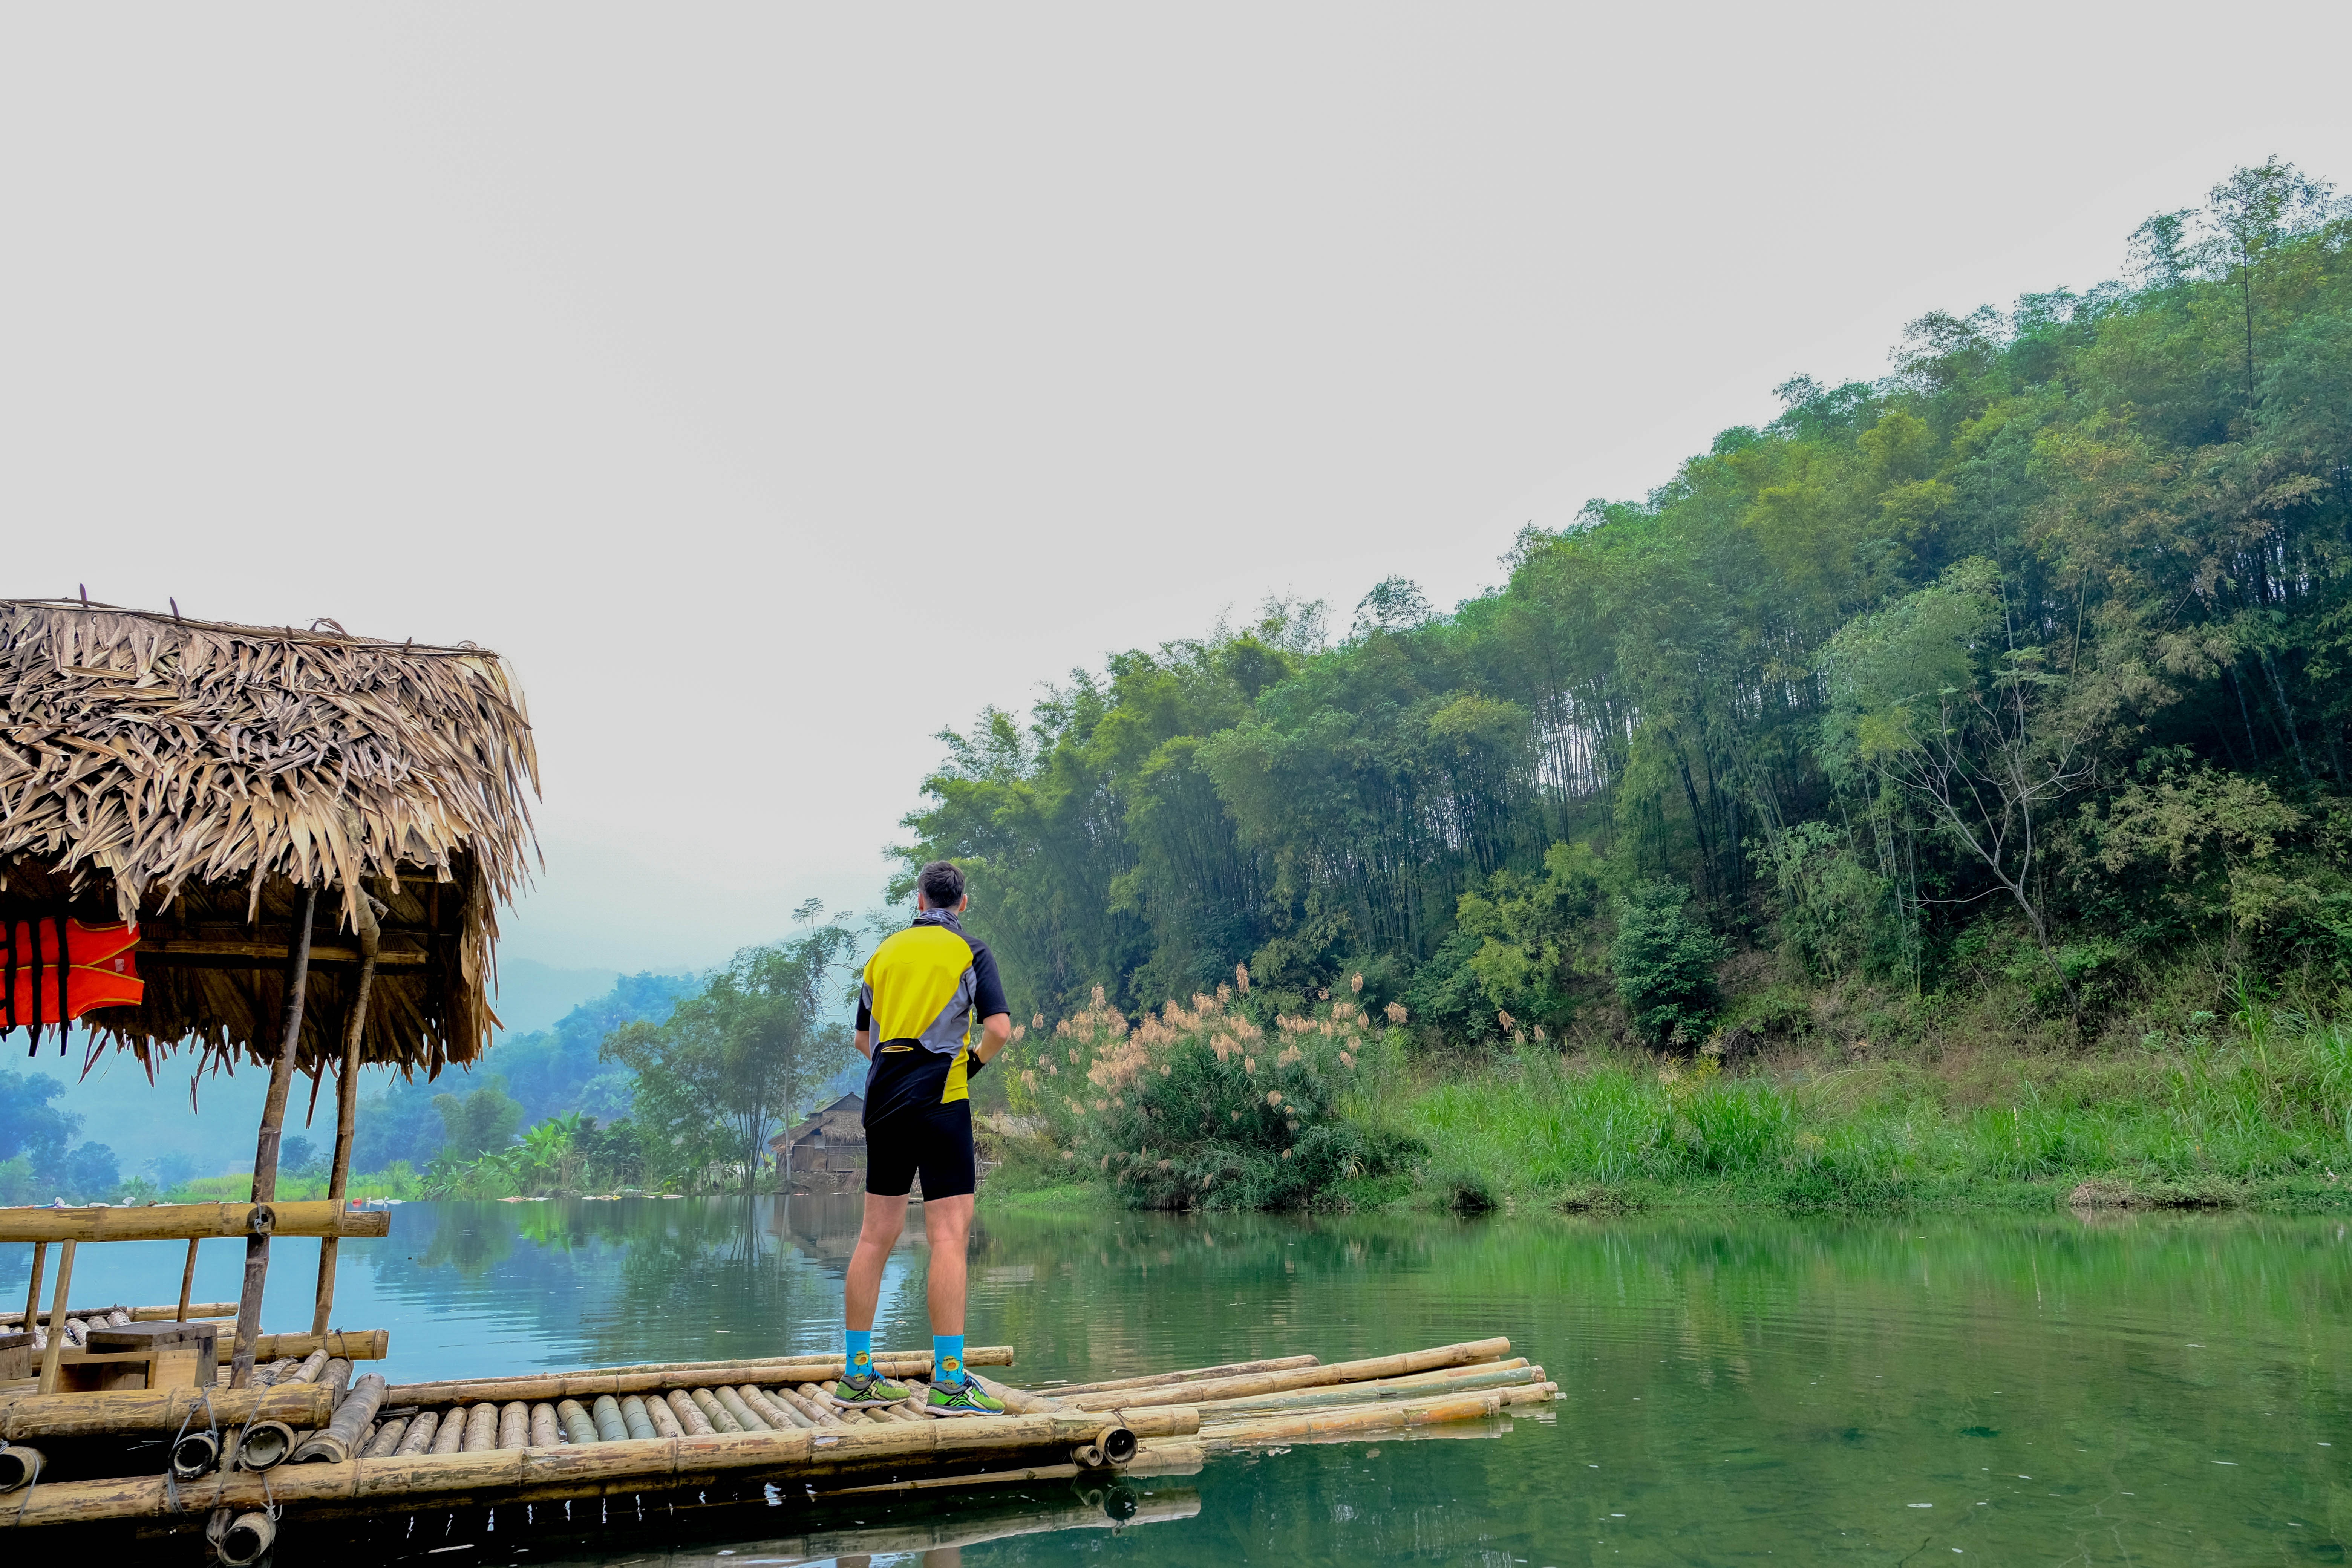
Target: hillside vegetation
(1990,713)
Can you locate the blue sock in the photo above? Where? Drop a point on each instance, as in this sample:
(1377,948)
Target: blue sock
(947,1360)
(860,1361)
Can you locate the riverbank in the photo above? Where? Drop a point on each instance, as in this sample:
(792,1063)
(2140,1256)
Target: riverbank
(2256,1120)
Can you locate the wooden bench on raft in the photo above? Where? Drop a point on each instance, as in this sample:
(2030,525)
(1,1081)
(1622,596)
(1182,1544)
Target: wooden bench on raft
(34,1354)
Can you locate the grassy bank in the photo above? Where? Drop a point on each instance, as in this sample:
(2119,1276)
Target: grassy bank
(1954,1112)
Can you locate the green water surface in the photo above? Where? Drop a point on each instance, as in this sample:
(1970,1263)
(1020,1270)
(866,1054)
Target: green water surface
(2140,1389)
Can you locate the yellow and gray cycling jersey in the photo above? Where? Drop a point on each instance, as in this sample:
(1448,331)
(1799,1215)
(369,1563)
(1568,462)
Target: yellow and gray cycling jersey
(920,994)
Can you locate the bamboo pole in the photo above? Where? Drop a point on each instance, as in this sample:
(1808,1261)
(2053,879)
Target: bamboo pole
(32,1290)
(347,1344)
(1353,1419)
(56,1349)
(451,1438)
(1304,1377)
(514,1426)
(387,1441)
(1459,1381)
(20,1465)
(664,1419)
(1196,1374)
(312,1367)
(546,1432)
(1021,1402)
(606,1414)
(168,1312)
(777,1413)
(181,1222)
(525,1475)
(262,1444)
(340,1438)
(746,1419)
(143,1411)
(187,1281)
(662,1377)
(418,1439)
(481,1430)
(265,1154)
(634,1417)
(719,1415)
(574,1417)
(689,1414)
(347,1095)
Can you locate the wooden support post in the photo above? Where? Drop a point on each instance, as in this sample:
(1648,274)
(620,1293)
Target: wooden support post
(265,1153)
(33,1292)
(57,1320)
(346,1098)
(187,1281)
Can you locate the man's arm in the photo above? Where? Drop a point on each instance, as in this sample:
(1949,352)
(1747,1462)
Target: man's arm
(994,1031)
(864,1040)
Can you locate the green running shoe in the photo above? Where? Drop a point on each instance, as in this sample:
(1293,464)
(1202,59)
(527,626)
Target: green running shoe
(962,1399)
(870,1389)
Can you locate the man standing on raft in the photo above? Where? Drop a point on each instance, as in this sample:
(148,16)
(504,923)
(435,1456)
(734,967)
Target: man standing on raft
(922,987)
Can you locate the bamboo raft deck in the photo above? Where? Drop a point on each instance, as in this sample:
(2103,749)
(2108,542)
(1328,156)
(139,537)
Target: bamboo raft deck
(311,1446)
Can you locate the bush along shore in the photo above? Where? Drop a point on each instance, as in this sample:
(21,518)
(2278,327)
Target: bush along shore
(1215,1104)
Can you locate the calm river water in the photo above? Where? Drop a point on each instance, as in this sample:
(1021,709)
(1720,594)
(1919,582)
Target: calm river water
(2140,1389)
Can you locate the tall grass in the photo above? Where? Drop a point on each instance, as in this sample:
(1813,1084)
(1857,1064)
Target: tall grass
(2202,1123)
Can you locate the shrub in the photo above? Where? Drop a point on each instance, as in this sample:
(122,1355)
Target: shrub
(1201,1107)
(1665,963)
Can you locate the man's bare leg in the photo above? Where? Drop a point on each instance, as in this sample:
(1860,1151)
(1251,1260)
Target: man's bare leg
(948,1222)
(885,1219)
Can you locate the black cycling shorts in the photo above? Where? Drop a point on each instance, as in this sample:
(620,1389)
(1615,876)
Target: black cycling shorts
(935,1140)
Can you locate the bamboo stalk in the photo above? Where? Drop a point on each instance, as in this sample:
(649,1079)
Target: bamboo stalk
(265,1157)
(714,1412)
(140,1412)
(313,1365)
(660,1378)
(1380,1417)
(386,1442)
(777,1413)
(638,1420)
(578,1425)
(350,1344)
(185,1222)
(746,1419)
(451,1439)
(514,1426)
(1373,1392)
(606,1414)
(546,1432)
(57,1345)
(1196,1374)
(32,1290)
(187,1281)
(481,1428)
(337,1374)
(664,1419)
(526,1473)
(261,1444)
(419,1438)
(340,1438)
(814,1411)
(1304,1377)
(347,1094)
(1017,1400)
(1178,1457)
(689,1414)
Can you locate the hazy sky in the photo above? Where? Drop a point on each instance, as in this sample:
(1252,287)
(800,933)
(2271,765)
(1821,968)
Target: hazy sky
(775,385)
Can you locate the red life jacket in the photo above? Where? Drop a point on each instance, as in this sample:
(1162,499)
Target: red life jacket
(97,971)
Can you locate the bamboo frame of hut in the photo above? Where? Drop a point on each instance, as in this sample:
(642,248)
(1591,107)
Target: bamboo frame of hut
(209,782)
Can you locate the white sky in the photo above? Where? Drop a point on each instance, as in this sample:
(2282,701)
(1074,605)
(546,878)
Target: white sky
(698,358)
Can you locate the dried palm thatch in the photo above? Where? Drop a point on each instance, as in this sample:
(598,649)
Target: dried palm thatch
(197,776)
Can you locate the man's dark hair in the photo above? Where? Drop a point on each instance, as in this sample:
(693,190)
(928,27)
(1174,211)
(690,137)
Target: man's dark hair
(941,883)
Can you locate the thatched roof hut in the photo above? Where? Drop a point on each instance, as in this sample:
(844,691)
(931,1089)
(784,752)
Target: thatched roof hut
(197,777)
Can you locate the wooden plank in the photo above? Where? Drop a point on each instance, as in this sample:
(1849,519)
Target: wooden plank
(181,1222)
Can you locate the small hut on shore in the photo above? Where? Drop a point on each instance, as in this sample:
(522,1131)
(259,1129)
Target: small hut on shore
(298,840)
(830,1146)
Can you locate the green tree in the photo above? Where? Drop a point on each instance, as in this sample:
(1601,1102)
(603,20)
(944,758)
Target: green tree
(479,1123)
(1665,962)
(740,1054)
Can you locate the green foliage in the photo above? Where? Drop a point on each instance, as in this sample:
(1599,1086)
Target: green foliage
(735,1059)
(1201,1108)
(2049,623)
(478,1123)
(1664,960)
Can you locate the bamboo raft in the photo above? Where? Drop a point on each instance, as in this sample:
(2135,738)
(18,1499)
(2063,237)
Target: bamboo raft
(310,1446)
